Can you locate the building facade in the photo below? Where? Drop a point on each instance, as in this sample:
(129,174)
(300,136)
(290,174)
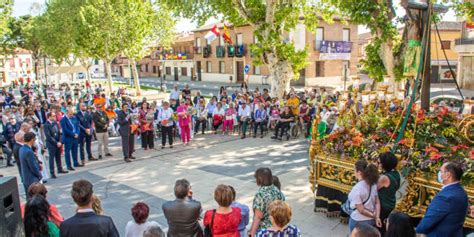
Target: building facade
(464,46)
(15,67)
(327,65)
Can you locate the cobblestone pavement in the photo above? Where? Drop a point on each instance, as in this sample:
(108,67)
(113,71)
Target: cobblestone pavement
(209,160)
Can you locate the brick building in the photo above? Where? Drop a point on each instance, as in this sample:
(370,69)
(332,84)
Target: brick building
(214,63)
(19,66)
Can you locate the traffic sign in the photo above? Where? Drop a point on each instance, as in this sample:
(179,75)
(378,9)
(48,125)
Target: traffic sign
(247,69)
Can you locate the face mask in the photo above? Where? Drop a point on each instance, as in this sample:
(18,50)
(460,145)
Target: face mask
(324,110)
(440,179)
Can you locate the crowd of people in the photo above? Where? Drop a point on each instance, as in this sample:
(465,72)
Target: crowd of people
(45,126)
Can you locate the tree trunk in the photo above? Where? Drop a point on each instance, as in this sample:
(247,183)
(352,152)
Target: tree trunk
(108,72)
(136,81)
(282,73)
(88,74)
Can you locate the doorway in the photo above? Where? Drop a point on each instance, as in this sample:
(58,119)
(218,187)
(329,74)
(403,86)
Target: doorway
(175,73)
(198,70)
(240,71)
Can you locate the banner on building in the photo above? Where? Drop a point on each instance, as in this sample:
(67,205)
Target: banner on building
(335,50)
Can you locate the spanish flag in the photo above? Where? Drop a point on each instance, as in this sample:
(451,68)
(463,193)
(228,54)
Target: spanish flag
(227,38)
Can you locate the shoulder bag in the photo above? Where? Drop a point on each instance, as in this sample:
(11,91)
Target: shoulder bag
(346,206)
(208,229)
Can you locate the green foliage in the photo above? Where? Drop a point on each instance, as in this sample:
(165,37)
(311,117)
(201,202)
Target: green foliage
(372,63)
(5,14)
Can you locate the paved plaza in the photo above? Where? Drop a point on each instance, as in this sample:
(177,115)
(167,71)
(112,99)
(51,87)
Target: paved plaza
(209,160)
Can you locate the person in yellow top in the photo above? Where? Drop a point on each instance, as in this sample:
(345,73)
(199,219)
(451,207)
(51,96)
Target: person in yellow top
(294,103)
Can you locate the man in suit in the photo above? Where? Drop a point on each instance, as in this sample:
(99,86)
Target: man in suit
(53,143)
(85,222)
(128,138)
(447,211)
(84,119)
(183,213)
(31,168)
(70,138)
(101,123)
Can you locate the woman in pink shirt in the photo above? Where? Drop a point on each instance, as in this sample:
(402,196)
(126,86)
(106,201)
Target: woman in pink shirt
(184,119)
(229,118)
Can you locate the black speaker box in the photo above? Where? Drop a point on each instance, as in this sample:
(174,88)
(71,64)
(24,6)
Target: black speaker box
(11,224)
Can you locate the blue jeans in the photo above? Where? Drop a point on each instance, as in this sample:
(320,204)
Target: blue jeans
(70,148)
(352,223)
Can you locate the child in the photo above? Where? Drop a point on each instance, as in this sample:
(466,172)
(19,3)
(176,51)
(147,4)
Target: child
(274,116)
(229,118)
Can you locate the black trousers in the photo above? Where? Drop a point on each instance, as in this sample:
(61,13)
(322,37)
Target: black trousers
(260,124)
(282,128)
(198,123)
(86,140)
(54,157)
(166,132)
(8,153)
(148,140)
(128,145)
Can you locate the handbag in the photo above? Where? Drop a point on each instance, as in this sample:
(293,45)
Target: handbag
(208,229)
(346,206)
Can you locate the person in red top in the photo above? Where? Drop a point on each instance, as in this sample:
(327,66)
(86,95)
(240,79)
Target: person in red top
(40,189)
(226,218)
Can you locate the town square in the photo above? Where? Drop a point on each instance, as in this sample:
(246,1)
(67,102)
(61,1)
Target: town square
(232,118)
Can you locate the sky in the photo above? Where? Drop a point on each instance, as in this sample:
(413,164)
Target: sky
(22,7)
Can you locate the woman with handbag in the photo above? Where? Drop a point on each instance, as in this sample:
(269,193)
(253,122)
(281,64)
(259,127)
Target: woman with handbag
(363,204)
(223,221)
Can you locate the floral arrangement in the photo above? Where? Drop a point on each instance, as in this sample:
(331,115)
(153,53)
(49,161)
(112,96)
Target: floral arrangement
(430,139)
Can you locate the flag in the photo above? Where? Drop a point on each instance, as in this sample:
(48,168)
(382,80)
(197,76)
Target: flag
(227,38)
(212,35)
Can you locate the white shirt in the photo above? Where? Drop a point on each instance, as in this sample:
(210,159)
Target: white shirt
(244,112)
(135,230)
(358,195)
(174,94)
(165,114)
(218,112)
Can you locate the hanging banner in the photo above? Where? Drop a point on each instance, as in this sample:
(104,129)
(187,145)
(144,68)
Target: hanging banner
(335,50)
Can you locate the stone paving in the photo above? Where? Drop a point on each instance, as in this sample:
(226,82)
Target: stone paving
(209,160)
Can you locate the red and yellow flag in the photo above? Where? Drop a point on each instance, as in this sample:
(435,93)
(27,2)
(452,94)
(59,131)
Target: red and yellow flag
(227,38)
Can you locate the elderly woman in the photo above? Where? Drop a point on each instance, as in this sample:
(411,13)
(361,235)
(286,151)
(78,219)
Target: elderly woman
(200,117)
(280,216)
(139,224)
(225,220)
(266,194)
(217,117)
(146,117)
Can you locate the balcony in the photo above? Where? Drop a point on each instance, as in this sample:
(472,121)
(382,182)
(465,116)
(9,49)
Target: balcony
(220,51)
(240,51)
(464,45)
(207,51)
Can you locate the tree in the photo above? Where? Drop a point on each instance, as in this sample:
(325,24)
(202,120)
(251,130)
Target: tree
(5,14)
(145,27)
(101,30)
(385,54)
(271,20)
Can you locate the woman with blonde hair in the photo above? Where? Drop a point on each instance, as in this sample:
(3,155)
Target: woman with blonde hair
(280,217)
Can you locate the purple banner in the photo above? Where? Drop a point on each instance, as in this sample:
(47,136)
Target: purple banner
(335,47)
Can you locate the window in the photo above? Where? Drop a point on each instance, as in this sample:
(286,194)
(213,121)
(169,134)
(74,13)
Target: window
(154,69)
(319,38)
(209,67)
(319,68)
(146,67)
(168,70)
(346,35)
(239,39)
(256,70)
(221,67)
(445,44)
(184,71)
(198,45)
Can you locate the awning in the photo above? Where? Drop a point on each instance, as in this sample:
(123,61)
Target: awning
(66,69)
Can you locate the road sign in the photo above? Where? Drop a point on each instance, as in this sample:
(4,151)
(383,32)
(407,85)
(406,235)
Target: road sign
(247,69)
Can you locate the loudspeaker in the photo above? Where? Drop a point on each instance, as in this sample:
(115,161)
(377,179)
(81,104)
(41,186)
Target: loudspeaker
(11,224)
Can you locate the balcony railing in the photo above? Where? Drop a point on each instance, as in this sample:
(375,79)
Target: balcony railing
(464,41)
(220,51)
